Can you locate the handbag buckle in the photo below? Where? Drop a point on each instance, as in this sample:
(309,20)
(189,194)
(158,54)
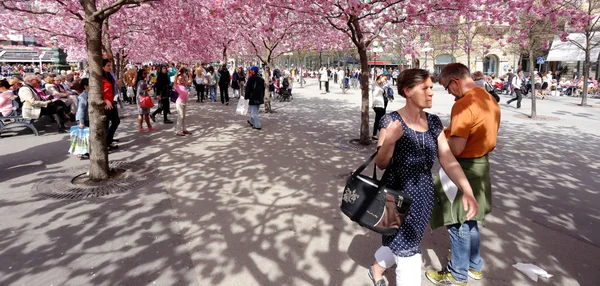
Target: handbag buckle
(400,200)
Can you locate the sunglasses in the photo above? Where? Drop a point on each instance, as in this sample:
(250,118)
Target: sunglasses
(449,83)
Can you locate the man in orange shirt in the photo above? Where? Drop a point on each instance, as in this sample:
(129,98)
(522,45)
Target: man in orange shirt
(474,124)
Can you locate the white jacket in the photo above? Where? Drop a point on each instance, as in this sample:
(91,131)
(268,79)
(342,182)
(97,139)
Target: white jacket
(323,75)
(377,94)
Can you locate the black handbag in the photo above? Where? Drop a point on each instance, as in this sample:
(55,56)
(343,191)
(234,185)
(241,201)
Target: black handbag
(371,204)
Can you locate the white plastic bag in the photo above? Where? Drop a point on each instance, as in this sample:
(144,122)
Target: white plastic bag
(130,92)
(532,271)
(242,107)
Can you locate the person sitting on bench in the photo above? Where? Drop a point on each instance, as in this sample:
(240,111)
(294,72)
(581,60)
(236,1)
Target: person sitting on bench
(6,98)
(34,106)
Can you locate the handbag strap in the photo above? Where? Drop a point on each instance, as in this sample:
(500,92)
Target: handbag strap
(364,165)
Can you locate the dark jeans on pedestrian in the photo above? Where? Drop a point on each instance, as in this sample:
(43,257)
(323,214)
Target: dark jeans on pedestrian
(200,92)
(112,122)
(517,98)
(164,105)
(224,90)
(379,113)
(327,86)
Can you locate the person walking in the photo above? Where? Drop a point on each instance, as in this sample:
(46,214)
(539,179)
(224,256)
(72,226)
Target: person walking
(199,83)
(129,78)
(472,135)
(181,103)
(142,89)
(378,102)
(516,86)
(224,83)
(241,81)
(410,140)
(255,93)
(83,121)
(323,80)
(162,88)
(212,83)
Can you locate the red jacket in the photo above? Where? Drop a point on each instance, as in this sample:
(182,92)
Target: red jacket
(107,91)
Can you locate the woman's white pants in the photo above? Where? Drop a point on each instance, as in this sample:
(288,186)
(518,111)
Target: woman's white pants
(408,269)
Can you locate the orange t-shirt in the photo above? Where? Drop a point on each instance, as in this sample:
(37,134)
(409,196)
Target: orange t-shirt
(476,117)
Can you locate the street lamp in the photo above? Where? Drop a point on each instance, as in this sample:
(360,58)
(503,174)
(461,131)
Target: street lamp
(426,50)
(375,45)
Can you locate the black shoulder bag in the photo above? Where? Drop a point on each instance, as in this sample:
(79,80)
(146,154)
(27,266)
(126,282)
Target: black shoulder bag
(371,204)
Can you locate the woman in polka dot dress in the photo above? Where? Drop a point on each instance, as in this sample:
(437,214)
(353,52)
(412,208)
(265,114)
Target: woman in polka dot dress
(410,140)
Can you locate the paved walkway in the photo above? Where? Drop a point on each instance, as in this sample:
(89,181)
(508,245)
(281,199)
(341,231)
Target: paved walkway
(237,206)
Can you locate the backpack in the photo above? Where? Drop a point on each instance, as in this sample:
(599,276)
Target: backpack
(390,92)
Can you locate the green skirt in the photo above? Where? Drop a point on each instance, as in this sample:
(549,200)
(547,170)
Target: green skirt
(444,212)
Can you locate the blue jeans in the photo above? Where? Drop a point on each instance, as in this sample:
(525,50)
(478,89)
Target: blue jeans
(464,250)
(254,113)
(212,90)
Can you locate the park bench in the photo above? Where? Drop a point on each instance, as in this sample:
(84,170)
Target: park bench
(15,119)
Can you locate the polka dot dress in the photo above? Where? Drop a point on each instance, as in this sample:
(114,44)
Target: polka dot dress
(410,172)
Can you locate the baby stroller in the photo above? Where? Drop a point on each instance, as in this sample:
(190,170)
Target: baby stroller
(285,92)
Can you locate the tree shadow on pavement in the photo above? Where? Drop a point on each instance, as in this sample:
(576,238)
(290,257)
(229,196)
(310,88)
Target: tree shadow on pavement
(248,207)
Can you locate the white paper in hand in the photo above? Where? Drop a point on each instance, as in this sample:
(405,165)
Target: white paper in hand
(449,187)
(532,271)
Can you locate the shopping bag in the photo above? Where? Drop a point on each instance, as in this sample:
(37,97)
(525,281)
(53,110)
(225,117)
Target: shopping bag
(174,95)
(242,106)
(80,139)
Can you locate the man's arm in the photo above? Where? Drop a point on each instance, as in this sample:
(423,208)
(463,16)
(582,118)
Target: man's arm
(457,145)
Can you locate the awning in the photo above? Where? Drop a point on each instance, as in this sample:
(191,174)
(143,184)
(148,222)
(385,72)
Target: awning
(380,63)
(568,52)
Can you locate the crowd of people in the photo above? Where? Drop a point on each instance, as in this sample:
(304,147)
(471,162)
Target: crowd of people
(8,70)
(64,96)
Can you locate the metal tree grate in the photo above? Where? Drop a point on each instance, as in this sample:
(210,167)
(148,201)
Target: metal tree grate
(353,145)
(129,176)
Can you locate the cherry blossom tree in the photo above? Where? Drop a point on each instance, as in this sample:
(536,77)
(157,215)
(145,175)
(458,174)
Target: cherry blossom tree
(67,20)
(589,23)
(363,22)
(536,24)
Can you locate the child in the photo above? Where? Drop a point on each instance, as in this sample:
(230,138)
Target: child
(80,134)
(180,88)
(143,112)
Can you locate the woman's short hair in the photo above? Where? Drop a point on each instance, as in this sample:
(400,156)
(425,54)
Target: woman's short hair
(4,83)
(410,78)
(477,75)
(380,76)
(49,79)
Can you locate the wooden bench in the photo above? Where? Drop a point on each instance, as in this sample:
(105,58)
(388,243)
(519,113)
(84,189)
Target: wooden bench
(15,119)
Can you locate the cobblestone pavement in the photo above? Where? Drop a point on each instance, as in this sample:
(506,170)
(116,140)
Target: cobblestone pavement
(237,206)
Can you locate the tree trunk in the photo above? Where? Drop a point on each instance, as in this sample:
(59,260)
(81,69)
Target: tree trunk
(586,74)
(531,72)
(469,59)
(267,97)
(225,55)
(364,88)
(97,145)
